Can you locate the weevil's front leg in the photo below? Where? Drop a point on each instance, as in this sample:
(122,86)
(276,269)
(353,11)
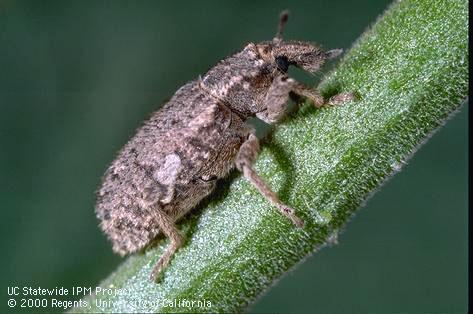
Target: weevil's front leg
(167,226)
(245,159)
(316,99)
(276,99)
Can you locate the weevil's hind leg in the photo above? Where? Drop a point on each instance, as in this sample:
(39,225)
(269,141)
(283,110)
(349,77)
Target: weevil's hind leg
(167,226)
(244,162)
(316,99)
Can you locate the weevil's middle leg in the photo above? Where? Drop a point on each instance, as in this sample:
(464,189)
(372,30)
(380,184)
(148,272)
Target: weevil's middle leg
(244,162)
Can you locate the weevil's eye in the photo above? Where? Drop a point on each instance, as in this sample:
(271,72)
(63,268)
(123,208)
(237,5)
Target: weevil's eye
(282,63)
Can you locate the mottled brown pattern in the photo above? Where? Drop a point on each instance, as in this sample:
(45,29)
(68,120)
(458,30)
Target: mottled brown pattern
(176,157)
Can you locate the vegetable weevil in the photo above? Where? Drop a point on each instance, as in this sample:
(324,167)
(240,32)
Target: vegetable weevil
(175,159)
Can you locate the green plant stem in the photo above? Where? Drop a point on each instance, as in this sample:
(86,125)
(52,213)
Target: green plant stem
(410,71)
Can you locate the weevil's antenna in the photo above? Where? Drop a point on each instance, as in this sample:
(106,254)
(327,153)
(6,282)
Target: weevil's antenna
(283,17)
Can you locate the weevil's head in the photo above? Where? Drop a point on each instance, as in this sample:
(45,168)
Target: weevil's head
(282,53)
(243,80)
(303,55)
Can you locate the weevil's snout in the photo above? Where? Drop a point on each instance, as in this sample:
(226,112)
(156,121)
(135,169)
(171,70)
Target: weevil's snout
(303,55)
(311,61)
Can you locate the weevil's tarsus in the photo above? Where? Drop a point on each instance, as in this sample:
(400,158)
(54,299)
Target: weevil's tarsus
(341,98)
(300,90)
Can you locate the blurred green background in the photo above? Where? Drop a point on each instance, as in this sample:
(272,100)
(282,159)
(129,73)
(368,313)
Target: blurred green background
(78,77)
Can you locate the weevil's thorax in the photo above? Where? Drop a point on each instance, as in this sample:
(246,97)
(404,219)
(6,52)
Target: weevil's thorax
(242,80)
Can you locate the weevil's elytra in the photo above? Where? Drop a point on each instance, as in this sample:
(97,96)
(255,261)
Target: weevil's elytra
(176,157)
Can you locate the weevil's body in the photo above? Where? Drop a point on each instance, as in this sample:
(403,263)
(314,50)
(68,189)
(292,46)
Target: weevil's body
(171,163)
(175,159)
